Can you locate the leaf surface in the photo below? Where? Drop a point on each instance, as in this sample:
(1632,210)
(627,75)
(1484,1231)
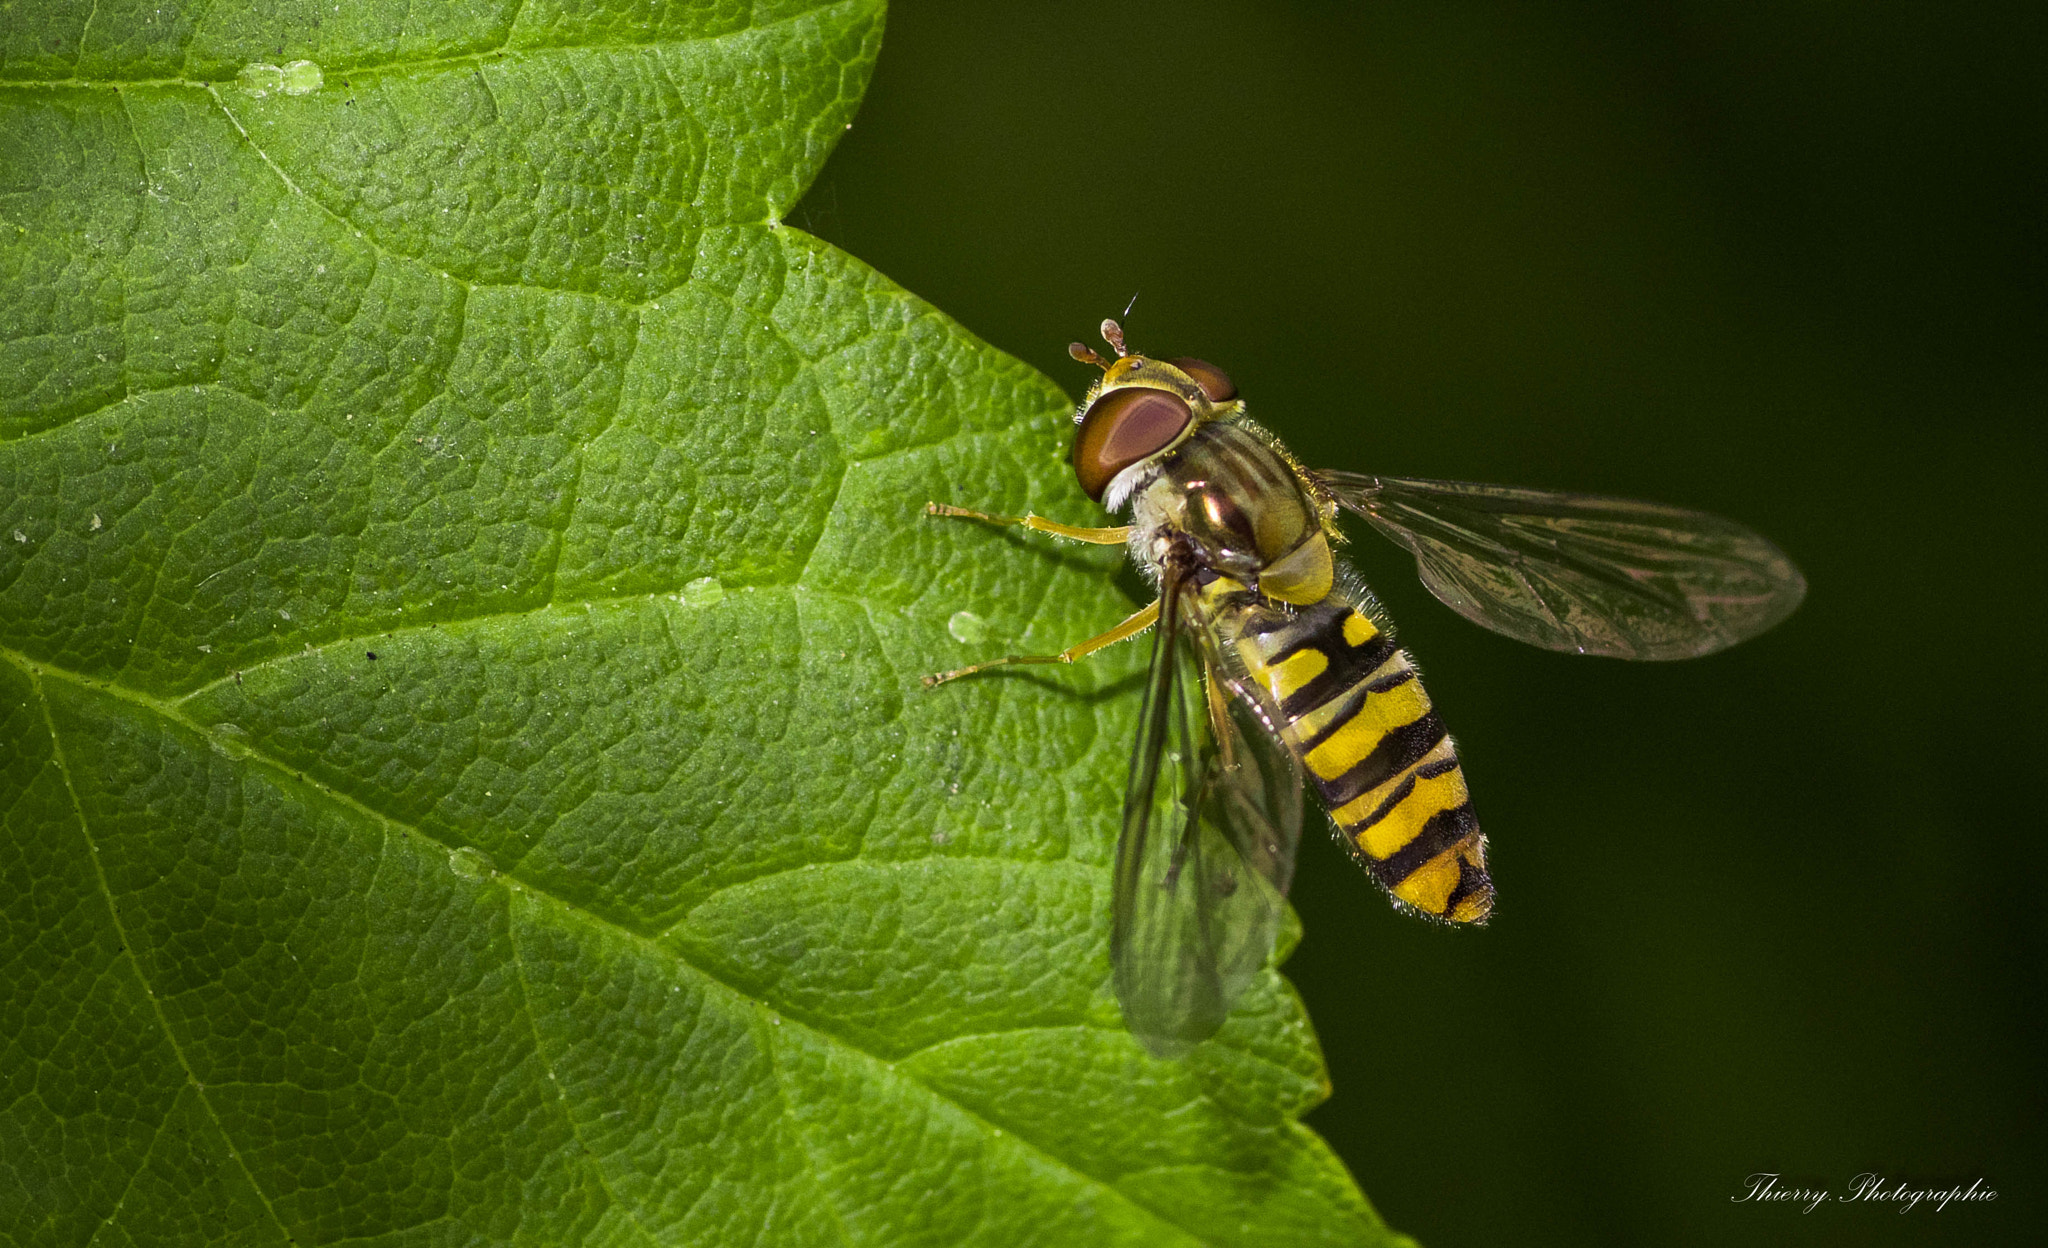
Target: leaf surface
(462,767)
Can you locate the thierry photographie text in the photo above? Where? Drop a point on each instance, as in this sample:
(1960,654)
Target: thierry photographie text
(1767,1187)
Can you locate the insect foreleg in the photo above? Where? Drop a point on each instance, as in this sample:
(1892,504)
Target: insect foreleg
(1100,537)
(1137,623)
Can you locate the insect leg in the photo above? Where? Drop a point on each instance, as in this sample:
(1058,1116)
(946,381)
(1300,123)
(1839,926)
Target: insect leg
(1137,623)
(1100,537)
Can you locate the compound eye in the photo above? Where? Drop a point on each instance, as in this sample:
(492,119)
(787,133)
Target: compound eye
(1122,428)
(1214,381)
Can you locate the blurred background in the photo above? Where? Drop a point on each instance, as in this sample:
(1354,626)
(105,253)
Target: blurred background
(1776,910)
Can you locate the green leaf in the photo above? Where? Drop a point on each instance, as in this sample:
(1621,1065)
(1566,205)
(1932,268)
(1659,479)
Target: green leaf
(462,766)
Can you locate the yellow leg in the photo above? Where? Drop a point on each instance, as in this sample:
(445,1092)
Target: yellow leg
(1101,537)
(1131,627)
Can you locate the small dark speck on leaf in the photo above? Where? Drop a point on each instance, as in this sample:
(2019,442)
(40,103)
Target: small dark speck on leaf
(370,655)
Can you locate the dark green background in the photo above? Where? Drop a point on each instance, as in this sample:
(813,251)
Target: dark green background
(1774,910)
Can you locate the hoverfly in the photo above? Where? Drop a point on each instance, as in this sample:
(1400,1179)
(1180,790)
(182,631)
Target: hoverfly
(1270,658)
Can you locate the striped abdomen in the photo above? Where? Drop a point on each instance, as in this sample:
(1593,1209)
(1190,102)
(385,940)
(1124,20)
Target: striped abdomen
(1355,714)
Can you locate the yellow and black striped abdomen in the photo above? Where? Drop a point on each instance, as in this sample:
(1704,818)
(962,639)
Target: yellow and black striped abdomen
(1354,712)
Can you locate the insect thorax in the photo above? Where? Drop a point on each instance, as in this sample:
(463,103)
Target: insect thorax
(1237,502)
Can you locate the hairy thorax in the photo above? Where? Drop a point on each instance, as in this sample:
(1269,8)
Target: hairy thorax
(1240,506)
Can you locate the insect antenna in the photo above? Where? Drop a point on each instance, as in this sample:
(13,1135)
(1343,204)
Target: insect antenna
(1113,334)
(1086,354)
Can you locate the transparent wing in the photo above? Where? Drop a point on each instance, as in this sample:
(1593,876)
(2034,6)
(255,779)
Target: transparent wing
(1211,817)
(1579,572)
(1255,794)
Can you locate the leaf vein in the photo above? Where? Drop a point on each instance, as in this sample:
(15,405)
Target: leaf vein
(589,1163)
(803,1139)
(35,676)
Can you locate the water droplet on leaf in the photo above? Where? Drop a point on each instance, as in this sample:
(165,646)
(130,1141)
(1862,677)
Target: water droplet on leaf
(294,78)
(967,628)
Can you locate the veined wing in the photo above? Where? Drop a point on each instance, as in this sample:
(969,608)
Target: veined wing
(1256,792)
(1212,813)
(1582,573)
